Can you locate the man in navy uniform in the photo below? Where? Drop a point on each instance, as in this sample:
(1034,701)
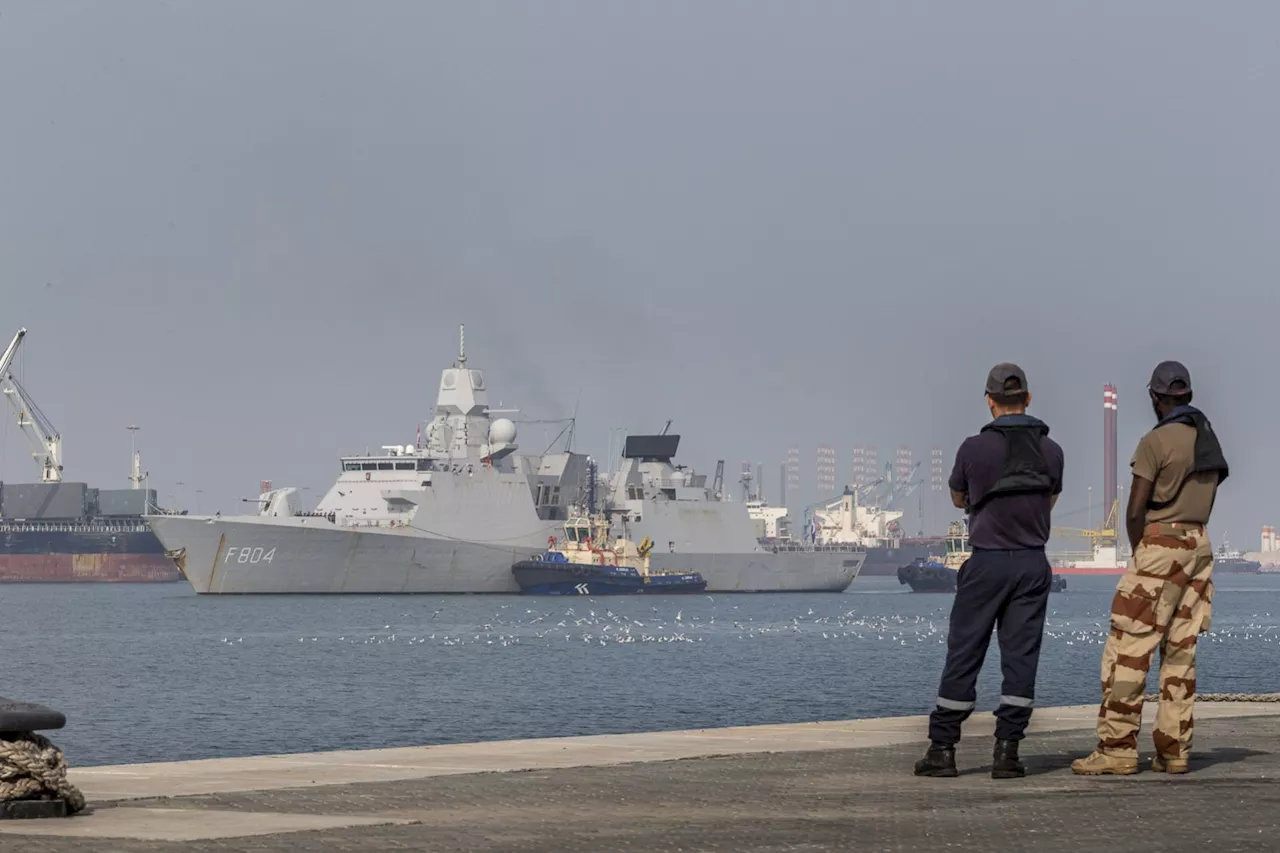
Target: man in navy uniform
(1007,479)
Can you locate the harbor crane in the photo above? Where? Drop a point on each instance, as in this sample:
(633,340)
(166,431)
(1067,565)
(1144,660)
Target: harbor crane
(1102,537)
(45,440)
(900,488)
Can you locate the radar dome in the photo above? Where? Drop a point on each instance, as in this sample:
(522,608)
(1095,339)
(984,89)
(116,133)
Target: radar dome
(502,431)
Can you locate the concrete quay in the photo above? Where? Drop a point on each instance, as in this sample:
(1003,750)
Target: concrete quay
(841,785)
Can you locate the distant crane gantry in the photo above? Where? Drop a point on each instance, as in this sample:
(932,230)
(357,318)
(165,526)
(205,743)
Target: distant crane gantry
(1102,537)
(46,442)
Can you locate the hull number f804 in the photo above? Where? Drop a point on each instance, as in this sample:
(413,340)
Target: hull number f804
(249,555)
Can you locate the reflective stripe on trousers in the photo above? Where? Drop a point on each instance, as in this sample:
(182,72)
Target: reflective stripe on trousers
(953,705)
(1006,592)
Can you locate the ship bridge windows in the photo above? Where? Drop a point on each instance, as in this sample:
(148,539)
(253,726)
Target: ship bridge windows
(387,465)
(547,495)
(635,493)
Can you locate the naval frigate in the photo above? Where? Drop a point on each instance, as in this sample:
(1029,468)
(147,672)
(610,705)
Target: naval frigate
(454,514)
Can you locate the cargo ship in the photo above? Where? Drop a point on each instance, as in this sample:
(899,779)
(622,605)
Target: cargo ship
(846,521)
(60,532)
(1104,560)
(57,531)
(885,560)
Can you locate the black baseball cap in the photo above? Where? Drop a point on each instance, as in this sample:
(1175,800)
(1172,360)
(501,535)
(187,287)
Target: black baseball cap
(1170,377)
(1001,374)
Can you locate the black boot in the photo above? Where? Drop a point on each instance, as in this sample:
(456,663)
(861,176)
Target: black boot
(1004,761)
(939,760)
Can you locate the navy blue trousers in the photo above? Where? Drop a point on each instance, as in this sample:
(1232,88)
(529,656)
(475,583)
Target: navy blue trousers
(1007,591)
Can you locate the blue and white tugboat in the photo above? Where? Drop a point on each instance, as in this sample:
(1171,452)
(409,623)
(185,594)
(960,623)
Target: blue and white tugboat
(591,562)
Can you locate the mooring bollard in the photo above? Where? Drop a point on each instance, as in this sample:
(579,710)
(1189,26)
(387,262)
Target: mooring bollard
(33,772)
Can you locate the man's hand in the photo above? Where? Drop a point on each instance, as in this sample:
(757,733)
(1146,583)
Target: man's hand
(959,499)
(1135,516)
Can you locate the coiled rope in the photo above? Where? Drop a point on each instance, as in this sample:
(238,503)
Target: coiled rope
(1224,697)
(32,768)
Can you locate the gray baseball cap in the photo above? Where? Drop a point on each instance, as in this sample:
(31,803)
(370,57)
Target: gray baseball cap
(1170,377)
(1002,373)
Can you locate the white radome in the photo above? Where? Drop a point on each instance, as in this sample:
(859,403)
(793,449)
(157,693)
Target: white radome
(502,431)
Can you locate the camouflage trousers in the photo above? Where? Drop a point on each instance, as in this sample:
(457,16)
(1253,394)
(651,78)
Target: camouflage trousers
(1164,603)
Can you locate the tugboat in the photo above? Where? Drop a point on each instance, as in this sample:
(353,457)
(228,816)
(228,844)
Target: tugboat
(590,562)
(929,574)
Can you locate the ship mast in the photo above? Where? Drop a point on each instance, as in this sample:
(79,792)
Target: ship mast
(135,469)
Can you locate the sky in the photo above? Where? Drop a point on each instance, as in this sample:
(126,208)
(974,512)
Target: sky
(252,229)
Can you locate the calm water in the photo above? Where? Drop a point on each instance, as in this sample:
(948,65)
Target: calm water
(153,672)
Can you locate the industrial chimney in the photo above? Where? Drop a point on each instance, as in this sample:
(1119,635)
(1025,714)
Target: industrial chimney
(1110,491)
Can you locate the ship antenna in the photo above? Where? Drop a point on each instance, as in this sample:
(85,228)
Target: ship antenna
(462,344)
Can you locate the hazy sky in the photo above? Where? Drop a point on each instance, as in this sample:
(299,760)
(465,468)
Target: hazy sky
(252,228)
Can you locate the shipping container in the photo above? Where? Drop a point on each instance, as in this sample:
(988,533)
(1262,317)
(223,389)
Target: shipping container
(121,502)
(41,501)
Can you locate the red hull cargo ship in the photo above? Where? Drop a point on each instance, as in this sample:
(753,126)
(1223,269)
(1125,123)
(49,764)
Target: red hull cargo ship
(67,532)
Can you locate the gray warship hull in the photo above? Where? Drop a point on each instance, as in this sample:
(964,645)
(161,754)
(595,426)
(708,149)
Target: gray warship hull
(254,555)
(454,515)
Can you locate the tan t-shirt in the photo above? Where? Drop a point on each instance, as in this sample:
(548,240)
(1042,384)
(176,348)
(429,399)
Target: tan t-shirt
(1164,456)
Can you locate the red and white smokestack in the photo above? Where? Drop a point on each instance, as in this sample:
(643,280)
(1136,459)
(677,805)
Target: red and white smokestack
(1110,483)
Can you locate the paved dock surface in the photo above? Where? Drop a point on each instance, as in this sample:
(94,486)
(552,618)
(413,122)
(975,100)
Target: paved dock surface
(827,786)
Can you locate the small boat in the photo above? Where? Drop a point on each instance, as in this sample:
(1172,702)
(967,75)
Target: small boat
(931,574)
(1228,559)
(591,562)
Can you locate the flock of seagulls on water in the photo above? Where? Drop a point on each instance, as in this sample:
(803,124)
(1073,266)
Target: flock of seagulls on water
(590,622)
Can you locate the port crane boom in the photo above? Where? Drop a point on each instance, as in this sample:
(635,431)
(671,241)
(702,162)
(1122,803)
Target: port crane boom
(1102,537)
(45,441)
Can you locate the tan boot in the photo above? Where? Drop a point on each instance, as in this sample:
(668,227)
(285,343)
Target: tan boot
(1160,764)
(1101,764)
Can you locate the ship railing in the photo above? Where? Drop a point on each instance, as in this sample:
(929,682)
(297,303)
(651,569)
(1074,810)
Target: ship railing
(373,522)
(810,548)
(72,527)
(329,516)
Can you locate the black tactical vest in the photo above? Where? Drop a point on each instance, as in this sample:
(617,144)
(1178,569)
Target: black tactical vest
(1208,453)
(1025,470)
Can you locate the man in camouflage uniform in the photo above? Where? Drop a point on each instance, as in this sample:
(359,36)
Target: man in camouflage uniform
(1164,600)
